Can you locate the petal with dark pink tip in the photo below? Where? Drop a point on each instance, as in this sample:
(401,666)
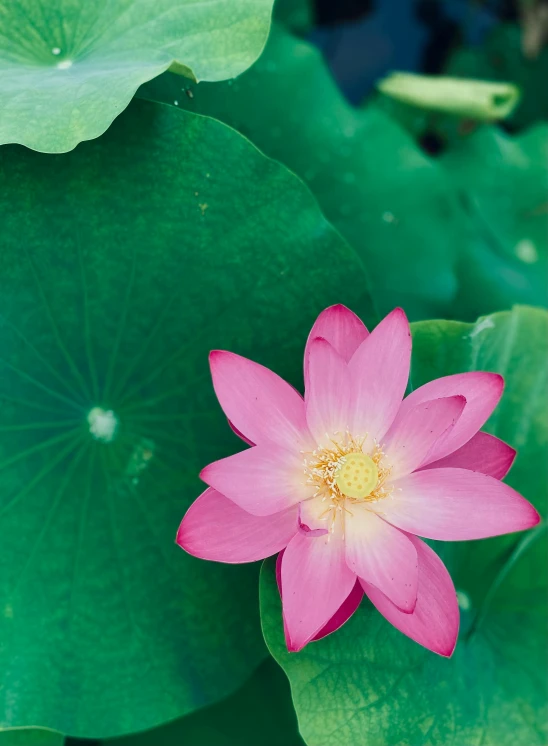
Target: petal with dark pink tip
(435,621)
(379,370)
(262,480)
(259,404)
(455,505)
(482,392)
(483,453)
(382,555)
(214,528)
(341,328)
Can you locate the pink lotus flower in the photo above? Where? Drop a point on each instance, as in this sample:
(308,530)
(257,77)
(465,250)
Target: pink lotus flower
(345,480)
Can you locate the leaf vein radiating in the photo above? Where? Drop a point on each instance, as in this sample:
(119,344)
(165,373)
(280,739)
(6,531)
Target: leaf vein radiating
(87,326)
(143,349)
(57,336)
(38,426)
(121,326)
(41,386)
(44,361)
(142,641)
(49,467)
(37,448)
(185,347)
(160,544)
(79,539)
(27,403)
(155,400)
(57,499)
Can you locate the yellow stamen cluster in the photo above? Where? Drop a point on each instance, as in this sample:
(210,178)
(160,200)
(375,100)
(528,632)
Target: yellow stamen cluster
(346,472)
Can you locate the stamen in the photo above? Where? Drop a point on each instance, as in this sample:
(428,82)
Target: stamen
(332,471)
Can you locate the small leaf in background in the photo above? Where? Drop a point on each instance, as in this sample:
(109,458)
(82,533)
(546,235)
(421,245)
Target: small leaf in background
(30,737)
(68,69)
(395,205)
(259,714)
(367,685)
(123,264)
(478,99)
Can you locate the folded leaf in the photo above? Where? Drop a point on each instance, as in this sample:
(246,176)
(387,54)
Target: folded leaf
(478,99)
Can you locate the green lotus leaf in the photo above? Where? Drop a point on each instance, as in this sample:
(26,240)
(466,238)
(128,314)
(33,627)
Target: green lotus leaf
(122,264)
(69,67)
(369,685)
(396,205)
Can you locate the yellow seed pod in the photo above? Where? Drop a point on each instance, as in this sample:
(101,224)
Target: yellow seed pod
(357,475)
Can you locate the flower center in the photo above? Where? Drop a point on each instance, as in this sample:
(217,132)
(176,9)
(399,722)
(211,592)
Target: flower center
(356,475)
(343,473)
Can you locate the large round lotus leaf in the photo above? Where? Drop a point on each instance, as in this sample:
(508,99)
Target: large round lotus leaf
(397,206)
(259,714)
(122,264)
(367,684)
(69,67)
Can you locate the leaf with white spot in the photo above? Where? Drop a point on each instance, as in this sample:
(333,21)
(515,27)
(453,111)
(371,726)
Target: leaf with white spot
(69,67)
(117,283)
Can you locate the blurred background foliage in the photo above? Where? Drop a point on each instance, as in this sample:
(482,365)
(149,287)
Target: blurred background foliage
(443,214)
(449,215)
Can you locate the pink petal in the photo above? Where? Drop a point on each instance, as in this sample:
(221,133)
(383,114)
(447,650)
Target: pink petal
(327,395)
(214,528)
(382,555)
(341,328)
(455,504)
(262,480)
(315,581)
(412,436)
(379,370)
(345,611)
(258,403)
(482,392)
(435,620)
(483,453)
